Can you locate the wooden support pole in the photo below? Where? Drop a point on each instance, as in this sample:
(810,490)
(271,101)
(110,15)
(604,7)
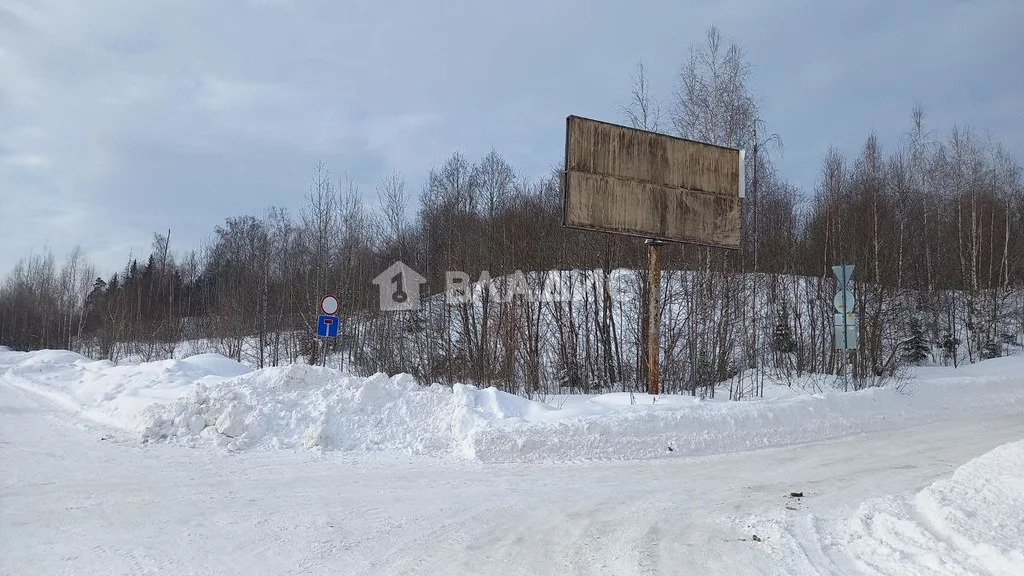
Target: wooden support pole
(654,315)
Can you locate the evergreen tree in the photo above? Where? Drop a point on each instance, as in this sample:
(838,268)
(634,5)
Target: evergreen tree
(949,346)
(991,349)
(915,349)
(782,338)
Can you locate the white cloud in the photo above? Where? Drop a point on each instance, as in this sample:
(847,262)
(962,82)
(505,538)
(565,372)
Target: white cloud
(26,160)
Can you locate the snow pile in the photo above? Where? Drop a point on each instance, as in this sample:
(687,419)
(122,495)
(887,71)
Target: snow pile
(306,407)
(969,524)
(972,523)
(619,399)
(116,395)
(209,399)
(609,429)
(311,407)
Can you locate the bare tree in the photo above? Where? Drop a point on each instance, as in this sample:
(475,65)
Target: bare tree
(712,103)
(642,110)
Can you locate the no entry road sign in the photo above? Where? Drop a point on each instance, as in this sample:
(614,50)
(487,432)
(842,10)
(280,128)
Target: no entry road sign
(329,305)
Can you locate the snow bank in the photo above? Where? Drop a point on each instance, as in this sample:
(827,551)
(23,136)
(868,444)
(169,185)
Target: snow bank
(969,524)
(302,407)
(972,523)
(209,399)
(117,395)
(608,427)
(311,407)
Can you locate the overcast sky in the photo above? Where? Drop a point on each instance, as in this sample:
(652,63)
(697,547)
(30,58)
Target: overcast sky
(122,118)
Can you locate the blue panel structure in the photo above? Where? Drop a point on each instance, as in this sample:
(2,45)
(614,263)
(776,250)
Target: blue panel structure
(327,326)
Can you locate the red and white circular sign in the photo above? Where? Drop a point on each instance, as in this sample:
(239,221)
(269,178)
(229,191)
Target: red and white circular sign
(329,305)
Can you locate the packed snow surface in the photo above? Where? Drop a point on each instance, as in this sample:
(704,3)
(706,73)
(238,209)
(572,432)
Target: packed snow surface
(211,400)
(80,498)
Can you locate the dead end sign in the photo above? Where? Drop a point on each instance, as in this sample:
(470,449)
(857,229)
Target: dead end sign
(327,326)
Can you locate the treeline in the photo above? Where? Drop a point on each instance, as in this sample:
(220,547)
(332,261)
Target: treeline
(935,226)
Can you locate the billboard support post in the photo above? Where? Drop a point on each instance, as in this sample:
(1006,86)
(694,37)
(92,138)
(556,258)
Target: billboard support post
(654,313)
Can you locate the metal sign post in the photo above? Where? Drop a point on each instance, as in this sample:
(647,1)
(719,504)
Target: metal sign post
(845,303)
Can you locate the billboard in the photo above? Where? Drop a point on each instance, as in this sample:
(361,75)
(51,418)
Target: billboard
(628,181)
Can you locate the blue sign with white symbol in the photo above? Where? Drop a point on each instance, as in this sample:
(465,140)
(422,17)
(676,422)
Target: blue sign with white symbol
(327,326)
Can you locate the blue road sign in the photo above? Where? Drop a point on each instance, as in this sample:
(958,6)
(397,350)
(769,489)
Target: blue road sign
(327,326)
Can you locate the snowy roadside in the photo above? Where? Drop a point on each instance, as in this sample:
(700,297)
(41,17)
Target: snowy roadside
(211,400)
(970,523)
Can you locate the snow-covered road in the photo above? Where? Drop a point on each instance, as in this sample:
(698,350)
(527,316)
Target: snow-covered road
(78,498)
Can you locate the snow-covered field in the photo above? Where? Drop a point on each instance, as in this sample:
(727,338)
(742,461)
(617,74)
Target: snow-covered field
(201,466)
